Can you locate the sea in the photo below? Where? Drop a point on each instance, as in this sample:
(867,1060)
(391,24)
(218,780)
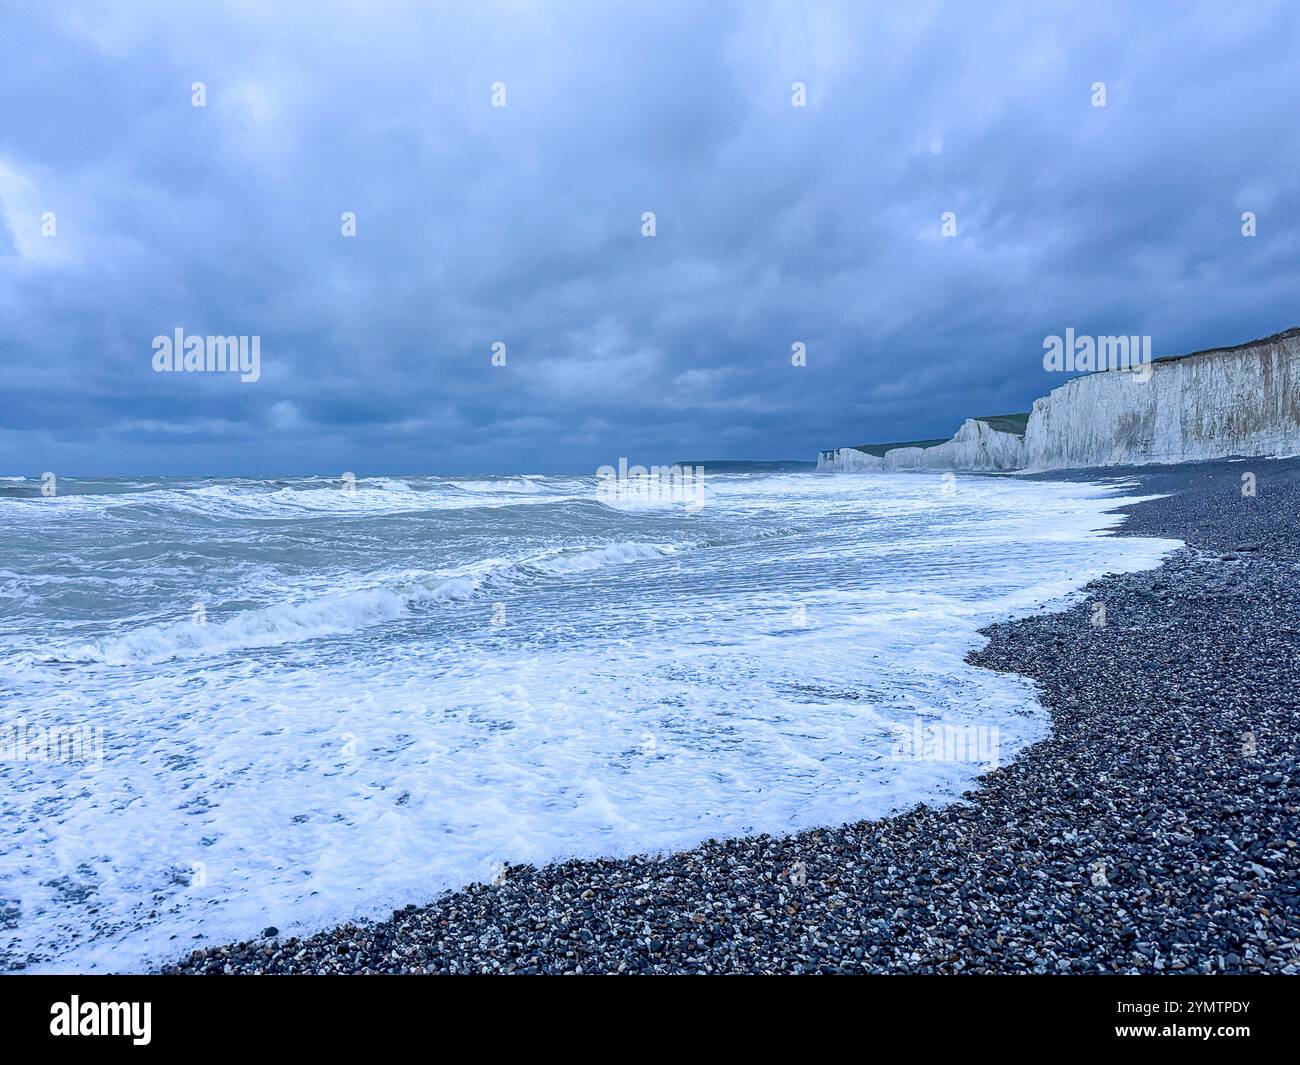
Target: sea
(232,704)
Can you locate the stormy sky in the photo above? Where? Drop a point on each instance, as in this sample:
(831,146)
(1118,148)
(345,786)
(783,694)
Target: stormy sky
(522,224)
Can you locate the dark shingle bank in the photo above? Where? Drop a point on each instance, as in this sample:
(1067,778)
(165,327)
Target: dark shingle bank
(1171,773)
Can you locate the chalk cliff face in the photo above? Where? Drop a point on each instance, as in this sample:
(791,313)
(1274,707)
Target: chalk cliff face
(1235,401)
(977,446)
(1232,401)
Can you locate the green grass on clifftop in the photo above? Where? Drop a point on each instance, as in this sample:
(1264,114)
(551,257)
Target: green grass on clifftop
(1008,423)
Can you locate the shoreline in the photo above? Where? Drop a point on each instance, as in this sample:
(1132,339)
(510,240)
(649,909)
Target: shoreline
(1155,828)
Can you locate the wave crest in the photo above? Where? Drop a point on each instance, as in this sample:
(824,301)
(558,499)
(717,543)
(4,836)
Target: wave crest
(343,612)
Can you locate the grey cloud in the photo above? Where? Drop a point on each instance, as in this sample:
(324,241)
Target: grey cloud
(522,224)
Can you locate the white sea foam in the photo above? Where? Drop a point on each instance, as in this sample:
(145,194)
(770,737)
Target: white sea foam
(511,486)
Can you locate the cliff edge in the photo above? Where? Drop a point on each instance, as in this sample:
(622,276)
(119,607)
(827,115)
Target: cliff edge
(1219,403)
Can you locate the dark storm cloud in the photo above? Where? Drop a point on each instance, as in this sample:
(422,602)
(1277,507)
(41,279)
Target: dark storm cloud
(522,224)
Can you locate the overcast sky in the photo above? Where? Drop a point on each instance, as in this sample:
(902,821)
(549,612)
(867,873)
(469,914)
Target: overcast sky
(522,224)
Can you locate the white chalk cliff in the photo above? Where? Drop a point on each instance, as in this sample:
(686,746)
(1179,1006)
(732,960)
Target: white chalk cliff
(977,446)
(1239,401)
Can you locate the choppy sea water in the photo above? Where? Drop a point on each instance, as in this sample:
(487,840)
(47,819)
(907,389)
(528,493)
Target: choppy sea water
(318,703)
